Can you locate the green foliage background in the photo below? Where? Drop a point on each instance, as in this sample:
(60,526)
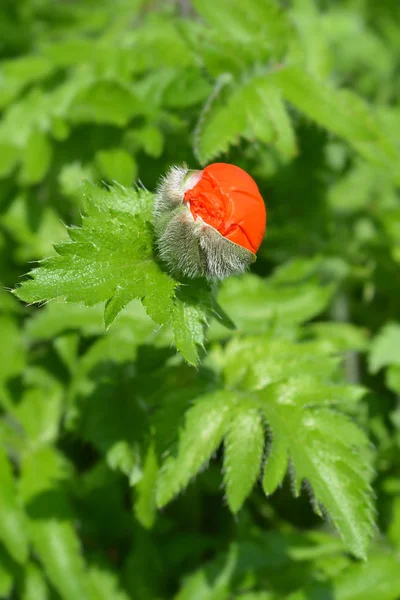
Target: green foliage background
(167,439)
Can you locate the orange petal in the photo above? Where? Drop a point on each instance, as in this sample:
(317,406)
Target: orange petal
(228,199)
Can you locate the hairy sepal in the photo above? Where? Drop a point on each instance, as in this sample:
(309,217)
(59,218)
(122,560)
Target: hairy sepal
(188,246)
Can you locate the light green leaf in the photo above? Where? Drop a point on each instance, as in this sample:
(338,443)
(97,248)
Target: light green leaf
(85,271)
(107,101)
(67,347)
(314,43)
(385,348)
(205,426)
(276,464)
(117,165)
(104,585)
(110,259)
(256,361)
(12,522)
(41,471)
(19,72)
(12,352)
(9,157)
(254,304)
(243,451)
(36,158)
(377,578)
(56,317)
(253,110)
(72,176)
(34,586)
(341,112)
(339,337)
(209,141)
(34,228)
(187,88)
(284,137)
(212,583)
(58,547)
(189,330)
(329,452)
(145,504)
(393,378)
(39,413)
(50,523)
(150,138)
(250,22)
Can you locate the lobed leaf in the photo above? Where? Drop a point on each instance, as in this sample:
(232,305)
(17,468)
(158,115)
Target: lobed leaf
(254,110)
(110,260)
(341,112)
(205,426)
(243,451)
(331,454)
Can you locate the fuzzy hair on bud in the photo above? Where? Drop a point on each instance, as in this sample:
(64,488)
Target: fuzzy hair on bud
(208,223)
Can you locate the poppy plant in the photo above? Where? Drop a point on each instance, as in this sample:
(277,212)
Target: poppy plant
(209,223)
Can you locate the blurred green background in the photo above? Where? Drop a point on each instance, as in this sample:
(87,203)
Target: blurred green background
(118,91)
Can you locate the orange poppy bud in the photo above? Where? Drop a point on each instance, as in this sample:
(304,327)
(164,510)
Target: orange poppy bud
(228,199)
(209,223)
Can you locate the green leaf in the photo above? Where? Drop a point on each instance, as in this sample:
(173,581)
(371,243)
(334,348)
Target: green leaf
(243,451)
(187,88)
(253,110)
(34,228)
(7,573)
(19,72)
(110,259)
(111,418)
(158,44)
(276,464)
(104,585)
(56,317)
(256,596)
(12,352)
(189,329)
(254,304)
(145,504)
(149,138)
(378,578)
(58,547)
(42,470)
(39,412)
(285,140)
(209,141)
(12,523)
(34,586)
(117,165)
(205,426)
(9,157)
(256,361)
(93,104)
(256,20)
(341,112)
(36,158)
(385,348)
(211,583)
(50,523)
(64,275)
(393,378)
(328,452)
(339,337)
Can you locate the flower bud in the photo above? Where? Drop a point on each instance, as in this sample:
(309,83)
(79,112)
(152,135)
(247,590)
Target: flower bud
(208,223)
